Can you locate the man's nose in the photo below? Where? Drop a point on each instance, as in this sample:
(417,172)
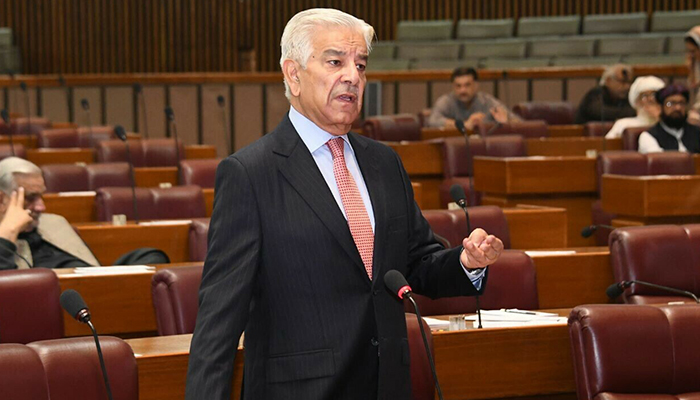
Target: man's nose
(350,74)
(39,206)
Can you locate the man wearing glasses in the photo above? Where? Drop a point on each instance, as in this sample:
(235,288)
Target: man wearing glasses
(673,132)
(608,101)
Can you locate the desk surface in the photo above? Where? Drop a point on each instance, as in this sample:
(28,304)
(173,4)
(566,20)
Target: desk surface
(651,196)
(524,361)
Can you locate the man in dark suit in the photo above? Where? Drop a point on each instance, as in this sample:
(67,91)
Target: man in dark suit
(306,222)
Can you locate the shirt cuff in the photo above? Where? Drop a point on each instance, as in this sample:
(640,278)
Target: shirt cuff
(474,275)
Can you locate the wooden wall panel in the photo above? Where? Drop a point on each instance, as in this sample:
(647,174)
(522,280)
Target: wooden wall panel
(125,36)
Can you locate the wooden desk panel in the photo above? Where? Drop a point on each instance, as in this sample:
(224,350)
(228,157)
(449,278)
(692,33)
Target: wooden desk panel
(28,141)
(154,176)
(197,151)
(423,163)
(60,156)
(208,200)
(108,242)
(513,362)
(75,209)
(570,146)
(558,131)
(533,227)
(647,197)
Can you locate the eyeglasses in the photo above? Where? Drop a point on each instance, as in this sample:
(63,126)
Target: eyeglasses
(671,104)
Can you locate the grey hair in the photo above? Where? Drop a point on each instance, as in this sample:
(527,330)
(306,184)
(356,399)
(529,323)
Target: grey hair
(11,166)
(609,72)
(299,31)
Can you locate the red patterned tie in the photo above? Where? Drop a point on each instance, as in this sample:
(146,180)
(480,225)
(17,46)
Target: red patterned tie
(358,220)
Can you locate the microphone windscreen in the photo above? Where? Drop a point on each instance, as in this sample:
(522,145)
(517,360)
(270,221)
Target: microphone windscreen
(61,80)
(614,291)
(23,86)
(72,302)
(396,283)
(459,124)
(137,87)
(588,231)
(5,115)
(120,132)
(457,193)
(220,100)
(169,113)
(85,104)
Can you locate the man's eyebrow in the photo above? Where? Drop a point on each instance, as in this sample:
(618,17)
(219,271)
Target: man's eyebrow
(333,52)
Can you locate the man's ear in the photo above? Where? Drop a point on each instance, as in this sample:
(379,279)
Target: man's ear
(291,69)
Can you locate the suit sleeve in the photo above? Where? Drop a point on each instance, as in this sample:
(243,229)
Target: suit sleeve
(227,281)
(433,271)
(7,255)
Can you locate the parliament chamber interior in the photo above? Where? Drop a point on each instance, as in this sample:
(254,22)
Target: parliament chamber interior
(127,107)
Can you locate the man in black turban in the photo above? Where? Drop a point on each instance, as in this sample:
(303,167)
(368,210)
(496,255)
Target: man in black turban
(672,132)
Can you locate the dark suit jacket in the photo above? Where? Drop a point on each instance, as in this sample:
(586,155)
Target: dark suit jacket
(282,265)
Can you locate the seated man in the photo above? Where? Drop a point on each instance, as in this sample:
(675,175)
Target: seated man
(608,101)
(467,103)
(30,238)
(673,132)
(642,98)
(692,61)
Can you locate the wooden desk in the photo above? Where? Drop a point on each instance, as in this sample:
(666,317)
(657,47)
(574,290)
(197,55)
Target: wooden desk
(423,163)
(60,156)
(652,199)
(121,304)
(108,242)
(551,227)
(566,182)
(197,151)
(28,141)
(154,176)
(555,131)
(558,131)
(570,146)
(74,206)
(513,362)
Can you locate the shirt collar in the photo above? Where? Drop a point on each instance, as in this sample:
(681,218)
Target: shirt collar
(677,133)
(312,136)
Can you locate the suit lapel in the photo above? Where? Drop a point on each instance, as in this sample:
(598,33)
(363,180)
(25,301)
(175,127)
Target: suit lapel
(299,168)
(369,166)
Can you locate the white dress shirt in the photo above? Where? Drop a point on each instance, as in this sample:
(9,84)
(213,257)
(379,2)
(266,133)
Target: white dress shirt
(648,144)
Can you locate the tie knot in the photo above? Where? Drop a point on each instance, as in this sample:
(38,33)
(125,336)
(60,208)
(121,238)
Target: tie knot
(336,145)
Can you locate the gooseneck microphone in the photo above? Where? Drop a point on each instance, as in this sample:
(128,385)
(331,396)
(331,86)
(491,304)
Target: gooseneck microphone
(121,134)
(6,118)
(590,229)
(85,104)
(396,283)
(457,193)
(615,290)
(170,115)
(23,86)
(73,303)
(138,90)
(459,124)
(227,135)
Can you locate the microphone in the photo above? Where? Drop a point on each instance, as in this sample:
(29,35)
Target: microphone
(6,118)
(138,90)
(73,303)
(86,106)
(615,290)
(457,194)
(170,115)
(121,134)
(459,124)
(590,229)
(396,283)
(221,102)
(23,86)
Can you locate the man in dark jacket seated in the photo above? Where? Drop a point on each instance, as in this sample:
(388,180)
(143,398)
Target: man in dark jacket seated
(30,238)
(608,101)
(672,132)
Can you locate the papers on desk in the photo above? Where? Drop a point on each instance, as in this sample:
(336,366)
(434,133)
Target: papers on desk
(437,324)
(76,194)
(540,253)
(115,270)
(167,222)
(513,317)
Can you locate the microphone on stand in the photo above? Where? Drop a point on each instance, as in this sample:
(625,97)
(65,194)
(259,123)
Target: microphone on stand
(590,229)
(23,86)
(121,134)
(170,115)
(221,102)
(73,303)
(6,118)
(86,106)
(457,194)
(138,89)
(615,290)
(459,124)
(397,284)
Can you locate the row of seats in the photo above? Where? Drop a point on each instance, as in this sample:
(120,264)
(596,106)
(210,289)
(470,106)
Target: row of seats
(25,126)
(592,24)
(652,49)
(91,177)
